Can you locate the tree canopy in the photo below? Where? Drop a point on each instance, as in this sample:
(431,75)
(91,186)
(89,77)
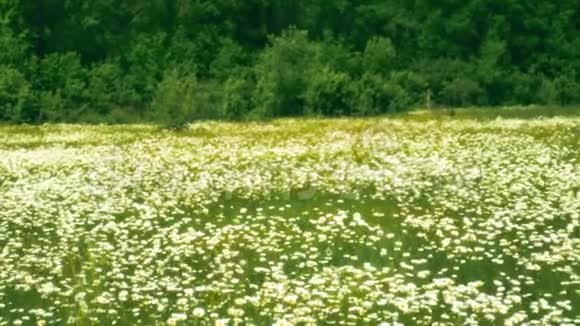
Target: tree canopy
(108,60)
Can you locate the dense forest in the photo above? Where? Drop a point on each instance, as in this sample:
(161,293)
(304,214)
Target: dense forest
(131,60)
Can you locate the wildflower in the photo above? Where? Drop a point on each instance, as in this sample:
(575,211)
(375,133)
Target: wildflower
(198,312)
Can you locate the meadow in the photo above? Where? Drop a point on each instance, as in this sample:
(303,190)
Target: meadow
(418,219)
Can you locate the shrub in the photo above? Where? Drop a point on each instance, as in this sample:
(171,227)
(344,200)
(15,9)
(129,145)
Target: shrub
(462,92)
(15,95)
(143,65)
(209,97)
(174,104)
(103,87)
(379,55)
(52,106)
(376,95)
(123,115)
(230,59)
(523,88)
(489,71)
(237,101)
(414,85)
(569,89)
(14,49)
(333,53)
(195,50)
(561,90)
(328,93)
(441,72)
(548,92)
(281,75)
(62,78)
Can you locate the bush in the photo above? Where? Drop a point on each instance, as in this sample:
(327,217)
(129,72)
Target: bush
(195,51)
(568,87)
(376,95)
(104,87)
(123,115)
(548,93)
(62,84)
(14,50)
(333,53)
(281,75)
(329,93)
(441,72)
(52,106)
(462,92)
(237,101)
(15,95)
(174,104)
(562,90)
(231,59)
(523,88)
(143,65)
(414,85)
(209,98)
(379,56)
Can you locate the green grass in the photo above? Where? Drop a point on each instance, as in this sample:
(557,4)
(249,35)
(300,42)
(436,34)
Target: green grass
(416,218)
(490,113)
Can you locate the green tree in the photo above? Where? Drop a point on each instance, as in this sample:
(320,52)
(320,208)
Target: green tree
(175,103)
(282,75)
(328,93)
(379,56)
(15,95)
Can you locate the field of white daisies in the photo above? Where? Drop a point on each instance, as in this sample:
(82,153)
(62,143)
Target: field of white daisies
(384,221)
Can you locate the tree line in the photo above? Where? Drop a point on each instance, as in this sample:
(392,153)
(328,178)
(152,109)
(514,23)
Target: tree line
(132,60)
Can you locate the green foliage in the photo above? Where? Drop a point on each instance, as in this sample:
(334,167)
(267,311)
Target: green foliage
(15,95)
(491,79)
(440,72)
(237,100)
(123,115)
(144,64)
(462,92)
(334,53)
(414,85)
(53,107)
(492,52)
(282,73)
(522,87)
(231,59)
(175,103)
(103,87)
(548,93)
(562,90)
(568,87)
(379,55)
(62,86)
(14,49)
(329,93)
(209,97)
(376,95)
(263,59)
